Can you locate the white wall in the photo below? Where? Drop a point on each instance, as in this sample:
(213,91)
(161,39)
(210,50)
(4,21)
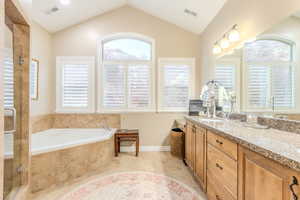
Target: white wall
(41,49)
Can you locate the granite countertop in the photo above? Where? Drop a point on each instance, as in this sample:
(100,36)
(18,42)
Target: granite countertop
(280,146)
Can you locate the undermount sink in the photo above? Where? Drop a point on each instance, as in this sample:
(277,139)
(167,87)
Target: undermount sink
(211,120)
(255,126)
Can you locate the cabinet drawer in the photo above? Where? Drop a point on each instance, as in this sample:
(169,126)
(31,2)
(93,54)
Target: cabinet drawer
(223,168)
(225,145)
(215,190)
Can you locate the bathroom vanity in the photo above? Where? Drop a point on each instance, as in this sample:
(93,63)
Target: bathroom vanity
(234,162)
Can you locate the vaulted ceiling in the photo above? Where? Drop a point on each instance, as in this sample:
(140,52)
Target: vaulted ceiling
(200,14)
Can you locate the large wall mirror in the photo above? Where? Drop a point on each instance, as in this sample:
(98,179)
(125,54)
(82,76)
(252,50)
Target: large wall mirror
(264,74)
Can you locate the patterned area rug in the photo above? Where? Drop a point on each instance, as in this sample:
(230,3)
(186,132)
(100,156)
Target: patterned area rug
(133,186)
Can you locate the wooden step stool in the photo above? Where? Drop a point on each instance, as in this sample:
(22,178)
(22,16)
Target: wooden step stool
(127,135)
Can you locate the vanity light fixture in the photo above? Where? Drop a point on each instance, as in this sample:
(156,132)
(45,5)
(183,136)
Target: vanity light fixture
(217,49)
(234,34)
(224,43)
(65,2)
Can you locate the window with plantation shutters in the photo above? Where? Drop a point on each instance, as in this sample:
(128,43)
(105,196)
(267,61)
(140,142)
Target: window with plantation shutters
(270,75)
(126,73)
(8,78)
(75,91)
(176,80)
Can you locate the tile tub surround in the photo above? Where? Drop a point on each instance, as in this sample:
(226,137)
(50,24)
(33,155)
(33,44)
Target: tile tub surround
(58,167)
(280,124)
(44,122)
(86,120)
(282,147)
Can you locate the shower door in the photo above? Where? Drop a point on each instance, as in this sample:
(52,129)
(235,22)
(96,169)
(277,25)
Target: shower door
(16,104)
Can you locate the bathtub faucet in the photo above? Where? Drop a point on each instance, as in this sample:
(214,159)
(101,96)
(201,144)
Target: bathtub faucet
(104,124)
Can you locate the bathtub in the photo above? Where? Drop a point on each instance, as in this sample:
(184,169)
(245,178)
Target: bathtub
(56,139)
(62,155)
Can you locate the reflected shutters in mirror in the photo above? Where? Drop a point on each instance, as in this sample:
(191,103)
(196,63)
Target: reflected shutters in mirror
(270,75)
(34,78)
(225,74)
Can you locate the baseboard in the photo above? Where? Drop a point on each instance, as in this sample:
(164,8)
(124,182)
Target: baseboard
(145,148)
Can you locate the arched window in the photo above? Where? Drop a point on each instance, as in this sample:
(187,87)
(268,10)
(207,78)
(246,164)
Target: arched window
(269,74)
(126,73)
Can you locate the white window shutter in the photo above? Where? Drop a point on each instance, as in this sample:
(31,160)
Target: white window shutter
(139,91)
(114,86)
(75,85)
(176,86)
(75,88)
(8,78)
(176,79)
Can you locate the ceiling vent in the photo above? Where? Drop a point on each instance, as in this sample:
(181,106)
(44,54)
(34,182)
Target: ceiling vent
(190,12)
(52,10)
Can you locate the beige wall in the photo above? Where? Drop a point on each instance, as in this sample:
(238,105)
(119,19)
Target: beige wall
(253,17)
(41,49)
(171,41)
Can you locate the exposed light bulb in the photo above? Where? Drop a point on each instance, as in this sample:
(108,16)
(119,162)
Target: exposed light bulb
(224,43)
(65,2)
(234,35)
(217,49)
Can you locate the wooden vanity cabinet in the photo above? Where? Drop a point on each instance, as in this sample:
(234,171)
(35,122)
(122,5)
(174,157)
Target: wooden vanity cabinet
(189,145)
(200,156)
(195,152)
(228,171)
(264,179)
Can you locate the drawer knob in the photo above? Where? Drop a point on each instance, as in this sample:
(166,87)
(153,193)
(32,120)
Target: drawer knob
(218,198)
(219,142)
(219,166)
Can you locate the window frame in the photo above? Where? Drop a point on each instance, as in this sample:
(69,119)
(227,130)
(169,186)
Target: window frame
(101,62)
(60,61)
(168,60)
(246,106)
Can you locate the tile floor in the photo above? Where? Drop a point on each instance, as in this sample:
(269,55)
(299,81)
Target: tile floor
(156,162)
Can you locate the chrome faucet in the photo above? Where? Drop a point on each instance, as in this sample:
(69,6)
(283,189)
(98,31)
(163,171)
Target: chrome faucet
(273,103)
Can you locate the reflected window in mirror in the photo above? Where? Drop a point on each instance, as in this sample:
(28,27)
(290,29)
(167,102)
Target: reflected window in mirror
(227,73)
(34,74)
(269,76)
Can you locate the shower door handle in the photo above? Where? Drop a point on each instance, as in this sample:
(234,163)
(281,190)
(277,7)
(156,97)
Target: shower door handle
(14,112)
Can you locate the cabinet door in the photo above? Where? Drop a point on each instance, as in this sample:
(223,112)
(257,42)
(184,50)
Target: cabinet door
(193,147)
(200,156)
(261,178)
(188,148)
